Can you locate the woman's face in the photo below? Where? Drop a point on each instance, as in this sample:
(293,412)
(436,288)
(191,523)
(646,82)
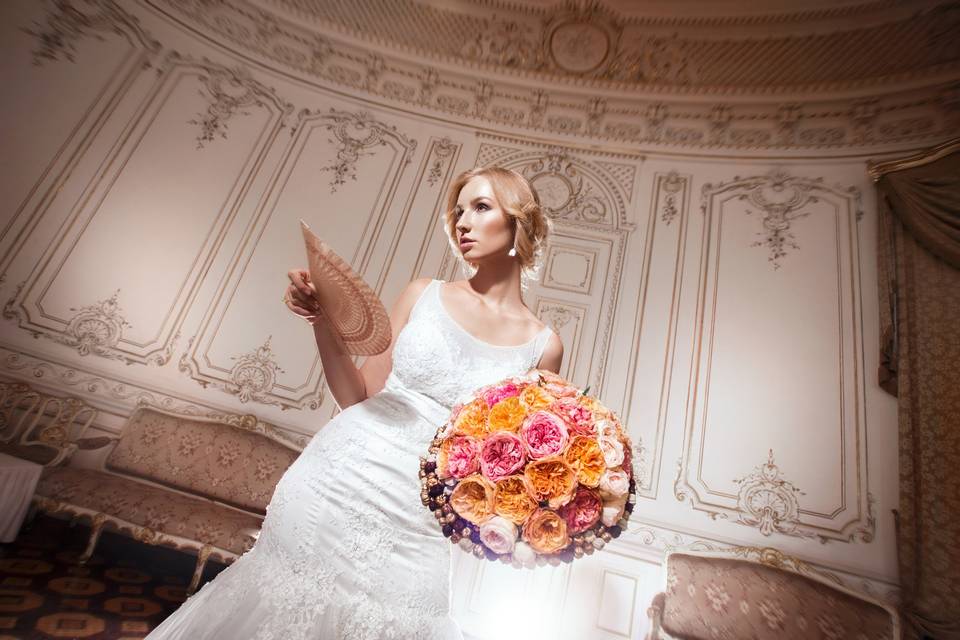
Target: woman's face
(483,229)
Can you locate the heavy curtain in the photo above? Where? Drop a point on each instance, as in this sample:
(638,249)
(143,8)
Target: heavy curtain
(919,288)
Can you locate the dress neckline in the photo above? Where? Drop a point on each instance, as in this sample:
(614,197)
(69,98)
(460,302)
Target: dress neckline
(456,324)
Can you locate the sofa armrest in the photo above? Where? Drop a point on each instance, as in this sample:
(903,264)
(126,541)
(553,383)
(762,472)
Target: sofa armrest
(655,613)
(97,442)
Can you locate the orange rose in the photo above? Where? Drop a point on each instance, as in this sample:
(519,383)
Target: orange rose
(472,498)
(551,479)
(472,420)
(546,532)
(534,398)
(585,457)
(507,415)
(513,499)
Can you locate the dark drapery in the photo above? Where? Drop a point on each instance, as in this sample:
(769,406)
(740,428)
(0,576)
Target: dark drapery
(919,287)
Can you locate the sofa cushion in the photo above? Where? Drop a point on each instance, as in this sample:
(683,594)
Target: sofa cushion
(730,598)
(154,507)
(202,456)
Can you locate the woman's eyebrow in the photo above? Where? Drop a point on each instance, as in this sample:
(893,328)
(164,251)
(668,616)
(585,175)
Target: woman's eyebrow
(475,199)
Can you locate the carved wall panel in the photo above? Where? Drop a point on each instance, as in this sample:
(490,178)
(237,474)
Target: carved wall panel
(42,82)
(320,165)
(650,319)
(778,325)
(87,291)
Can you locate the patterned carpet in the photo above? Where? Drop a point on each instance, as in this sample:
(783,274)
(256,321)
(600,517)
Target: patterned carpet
(124,590)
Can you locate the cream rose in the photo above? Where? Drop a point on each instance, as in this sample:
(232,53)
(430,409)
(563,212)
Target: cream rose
(499,534)
(614,483)
(613,511)
(612,450)
(524,554)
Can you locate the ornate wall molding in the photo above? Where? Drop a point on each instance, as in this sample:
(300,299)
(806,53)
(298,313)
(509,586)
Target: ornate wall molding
(122,396)
(621,114)
(657,312)
(69,21)
(102,330)
(352,136)
(763,498)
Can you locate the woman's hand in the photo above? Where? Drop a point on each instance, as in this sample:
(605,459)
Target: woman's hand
(300,296)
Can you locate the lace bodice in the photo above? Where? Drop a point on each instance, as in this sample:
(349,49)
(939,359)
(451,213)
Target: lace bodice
(438,358)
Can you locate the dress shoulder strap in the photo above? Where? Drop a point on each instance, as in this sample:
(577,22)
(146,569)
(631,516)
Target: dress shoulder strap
(540,344)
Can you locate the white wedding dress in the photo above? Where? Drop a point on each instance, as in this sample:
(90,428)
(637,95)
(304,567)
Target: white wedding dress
(347,549)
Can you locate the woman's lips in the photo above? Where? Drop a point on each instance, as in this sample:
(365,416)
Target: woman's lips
(466,245)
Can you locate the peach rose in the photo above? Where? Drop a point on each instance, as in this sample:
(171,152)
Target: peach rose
(628,459)
(472,419)
(472,499)
(585,456)
(556,385)
(583,511)
(501,454)
(545,531)
(513,499)
(551,479)
(499,534)
(534,398)
(579,419)
(507,415)
(544,434)
(595,406)
(460,456)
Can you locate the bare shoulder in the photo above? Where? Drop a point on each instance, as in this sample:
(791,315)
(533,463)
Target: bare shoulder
(552,356)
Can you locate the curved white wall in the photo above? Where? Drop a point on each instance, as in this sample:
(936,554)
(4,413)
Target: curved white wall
(724,302)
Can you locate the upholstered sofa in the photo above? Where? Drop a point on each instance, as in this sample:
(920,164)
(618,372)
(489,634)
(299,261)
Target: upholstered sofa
(196,484)
(759,594)
(41,427)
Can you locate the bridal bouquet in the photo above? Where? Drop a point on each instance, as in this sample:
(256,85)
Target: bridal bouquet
(530,470)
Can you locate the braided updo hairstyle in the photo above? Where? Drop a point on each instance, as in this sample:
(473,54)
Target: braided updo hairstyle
(520,203)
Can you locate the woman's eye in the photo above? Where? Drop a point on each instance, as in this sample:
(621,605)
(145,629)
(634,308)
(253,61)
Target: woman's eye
(481,205)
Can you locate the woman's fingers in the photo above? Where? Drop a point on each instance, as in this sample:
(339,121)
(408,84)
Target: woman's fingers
(300,279)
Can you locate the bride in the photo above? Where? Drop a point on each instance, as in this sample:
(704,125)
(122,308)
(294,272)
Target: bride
(347,550)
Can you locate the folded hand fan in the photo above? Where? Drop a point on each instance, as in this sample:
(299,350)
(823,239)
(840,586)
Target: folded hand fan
(352,308)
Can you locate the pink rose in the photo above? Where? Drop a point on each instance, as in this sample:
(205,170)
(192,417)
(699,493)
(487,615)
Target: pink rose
(497,393)
(578,418)
(544,434)
(463,456)
(583,511)
(501,455)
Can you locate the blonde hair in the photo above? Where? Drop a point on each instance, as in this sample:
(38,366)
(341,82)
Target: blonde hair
(520,203)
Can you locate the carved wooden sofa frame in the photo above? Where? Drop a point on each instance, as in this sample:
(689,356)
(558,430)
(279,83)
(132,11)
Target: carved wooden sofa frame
(193,483)
(706,607)
(41,427)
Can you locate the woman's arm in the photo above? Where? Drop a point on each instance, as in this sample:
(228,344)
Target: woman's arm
(348,383)
(552,354)
(375,369)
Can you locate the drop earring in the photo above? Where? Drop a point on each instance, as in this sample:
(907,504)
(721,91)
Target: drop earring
(512,252)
